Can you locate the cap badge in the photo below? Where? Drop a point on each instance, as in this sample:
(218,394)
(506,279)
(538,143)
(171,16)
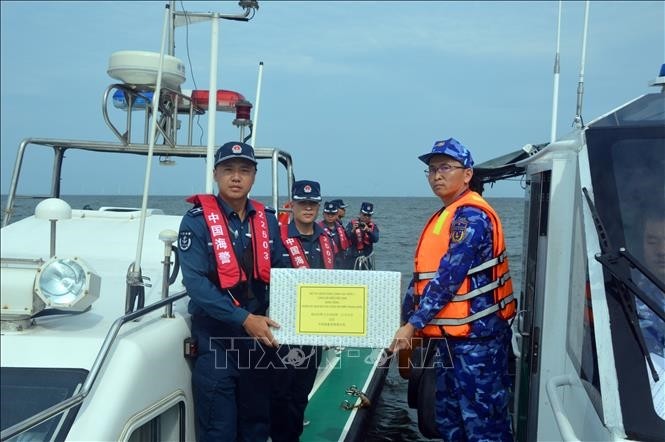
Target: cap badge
(307,188)
(236,149)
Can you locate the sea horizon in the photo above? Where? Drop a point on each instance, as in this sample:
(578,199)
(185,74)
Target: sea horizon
(4,195)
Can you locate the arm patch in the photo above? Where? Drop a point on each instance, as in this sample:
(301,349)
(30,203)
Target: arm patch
(458,230)
(184,240)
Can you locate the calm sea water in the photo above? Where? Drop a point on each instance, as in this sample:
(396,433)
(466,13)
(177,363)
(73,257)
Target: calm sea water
(400,221)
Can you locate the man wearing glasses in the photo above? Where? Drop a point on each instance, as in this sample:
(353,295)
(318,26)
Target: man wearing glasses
(461,298)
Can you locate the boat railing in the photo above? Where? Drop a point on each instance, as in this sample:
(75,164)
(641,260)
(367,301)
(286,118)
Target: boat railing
(77,399)
(59,146)
(560,416)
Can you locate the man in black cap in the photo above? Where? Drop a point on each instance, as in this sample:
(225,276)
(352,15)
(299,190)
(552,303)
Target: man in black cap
(306,246)
(335,230)
(341,209)
(228,243)
(363,233)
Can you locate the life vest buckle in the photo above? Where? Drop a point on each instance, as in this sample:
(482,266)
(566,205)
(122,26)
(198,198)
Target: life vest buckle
(504,279)
(505,301)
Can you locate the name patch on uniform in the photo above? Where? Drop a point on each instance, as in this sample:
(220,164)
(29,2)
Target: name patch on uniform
(184,240)
(458,229)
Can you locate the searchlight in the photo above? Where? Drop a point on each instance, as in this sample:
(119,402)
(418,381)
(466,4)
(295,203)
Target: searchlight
(30,286)
(67,284)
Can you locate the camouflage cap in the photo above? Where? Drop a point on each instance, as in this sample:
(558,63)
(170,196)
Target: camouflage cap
(452,148)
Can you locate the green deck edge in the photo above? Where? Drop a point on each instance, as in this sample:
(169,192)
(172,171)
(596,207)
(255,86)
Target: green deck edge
(324,411)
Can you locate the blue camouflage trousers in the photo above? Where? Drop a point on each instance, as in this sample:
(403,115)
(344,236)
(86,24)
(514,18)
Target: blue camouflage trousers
(473,389)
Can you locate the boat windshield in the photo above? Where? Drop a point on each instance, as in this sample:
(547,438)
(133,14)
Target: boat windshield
(627,164)
(31,390)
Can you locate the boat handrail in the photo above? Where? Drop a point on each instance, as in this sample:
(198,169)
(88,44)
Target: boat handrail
(562,421)
(186,151)
(68,403)
(170,108)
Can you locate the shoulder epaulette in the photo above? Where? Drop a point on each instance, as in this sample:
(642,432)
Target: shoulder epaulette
(195,211)
(270,209)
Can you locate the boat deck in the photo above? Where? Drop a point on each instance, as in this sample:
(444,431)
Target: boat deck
(325,411)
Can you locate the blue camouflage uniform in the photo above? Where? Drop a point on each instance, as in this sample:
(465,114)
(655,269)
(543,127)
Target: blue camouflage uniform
(653,332)
(231,392)
(473,384)
(294,381)
(653,328)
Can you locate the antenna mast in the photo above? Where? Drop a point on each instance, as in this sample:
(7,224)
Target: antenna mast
(557,71)
(578,122)
(256,108)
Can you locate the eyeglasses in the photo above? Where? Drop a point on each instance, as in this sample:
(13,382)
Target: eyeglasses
(442,169)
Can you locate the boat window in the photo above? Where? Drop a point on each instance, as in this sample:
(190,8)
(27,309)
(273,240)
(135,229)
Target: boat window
(169,425)
(627,166)
(647,111)
(31,390)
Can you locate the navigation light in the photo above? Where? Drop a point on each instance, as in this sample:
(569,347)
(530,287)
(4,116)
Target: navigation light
(226,100)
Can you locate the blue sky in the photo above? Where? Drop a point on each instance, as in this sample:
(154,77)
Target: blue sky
(355,91)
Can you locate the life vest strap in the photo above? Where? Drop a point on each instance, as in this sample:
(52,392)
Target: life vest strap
(479,268)
(488,264)
(481,314)
(423,275)
(484,289)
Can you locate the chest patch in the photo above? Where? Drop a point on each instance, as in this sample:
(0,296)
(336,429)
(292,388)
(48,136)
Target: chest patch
(184,240)
(458,230)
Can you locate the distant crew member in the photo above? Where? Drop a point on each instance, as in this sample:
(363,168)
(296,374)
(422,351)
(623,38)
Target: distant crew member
(341,209)
(336,231)
(363,234)
(306,246)
(228,243)
(461,291)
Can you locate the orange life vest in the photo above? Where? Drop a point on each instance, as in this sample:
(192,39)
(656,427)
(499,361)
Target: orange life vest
(455,318)
(284,214)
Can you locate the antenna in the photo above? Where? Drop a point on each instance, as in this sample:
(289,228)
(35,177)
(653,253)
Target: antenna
(578,122)
(212,101)
(135,279)
(557,71)
(256,108)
